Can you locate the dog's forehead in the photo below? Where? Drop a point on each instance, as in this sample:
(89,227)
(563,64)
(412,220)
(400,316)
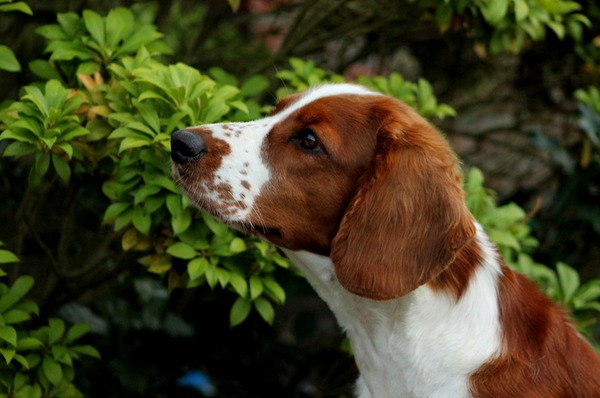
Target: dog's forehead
(319,92)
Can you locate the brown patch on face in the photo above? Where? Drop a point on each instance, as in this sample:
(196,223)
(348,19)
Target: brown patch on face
(246,184)
(309,192)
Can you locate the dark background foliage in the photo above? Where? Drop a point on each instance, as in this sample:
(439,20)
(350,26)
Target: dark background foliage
(517,119)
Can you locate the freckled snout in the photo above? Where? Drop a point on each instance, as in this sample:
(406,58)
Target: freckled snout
(186,146)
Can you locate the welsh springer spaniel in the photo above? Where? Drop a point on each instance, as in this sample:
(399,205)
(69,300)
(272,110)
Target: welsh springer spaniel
(364,196)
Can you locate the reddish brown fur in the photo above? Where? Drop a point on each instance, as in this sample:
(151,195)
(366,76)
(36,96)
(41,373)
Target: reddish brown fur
(408,219)
(286,102)
(315,188)
(455,279)
(543,356)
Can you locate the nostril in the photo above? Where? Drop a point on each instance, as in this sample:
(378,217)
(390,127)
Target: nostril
(186,146)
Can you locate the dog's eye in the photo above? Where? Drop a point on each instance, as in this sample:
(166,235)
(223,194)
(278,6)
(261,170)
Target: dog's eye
(308,141)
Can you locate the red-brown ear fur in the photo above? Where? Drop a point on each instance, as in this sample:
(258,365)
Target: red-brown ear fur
(408,217)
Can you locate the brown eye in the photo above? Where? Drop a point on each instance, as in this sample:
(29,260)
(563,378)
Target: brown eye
(308,141)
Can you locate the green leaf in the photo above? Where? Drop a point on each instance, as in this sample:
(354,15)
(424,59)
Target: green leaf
(95,25)
(86,350)
(15,292)
(8,61)
(494,10)
(144,192)
(42,68)
(76,131)
(34,178)
(504,238)
(133,142)
(8,354)
(18,149)
(7,257)
(29,343)
(182,250)
(70,22)
(52,370)
(35,96)
(34,391)
(239,311)
(256,287)
(18,6)
(274,290)
(239,284)
(141,36)
(211,276)
(222,276)
(114,210)
(237,245)
(20,135)
(13,316)
(589,292)
(8,334)
(67,51)
(196,267)
(55,94)
(216,227)
(28,306)
(39,169)
(141,127)
(234,4)
(33,359)
(56,329)
(254,86)
(76,331)
(150,116)
(521,9)
(119,22)
(141,221)
(62,355)
(63,170)
(569,281)
(265,309)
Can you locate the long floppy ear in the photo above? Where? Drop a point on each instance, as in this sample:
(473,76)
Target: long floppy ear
(408,218)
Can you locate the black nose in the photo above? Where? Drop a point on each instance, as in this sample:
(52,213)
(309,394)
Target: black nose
(186,146)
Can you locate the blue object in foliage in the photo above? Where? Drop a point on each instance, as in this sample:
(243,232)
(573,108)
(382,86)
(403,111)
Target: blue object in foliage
(198,381)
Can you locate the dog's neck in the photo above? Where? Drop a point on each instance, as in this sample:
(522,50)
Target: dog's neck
(426,343)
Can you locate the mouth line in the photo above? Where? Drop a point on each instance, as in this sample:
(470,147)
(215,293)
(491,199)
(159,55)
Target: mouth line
(260,230)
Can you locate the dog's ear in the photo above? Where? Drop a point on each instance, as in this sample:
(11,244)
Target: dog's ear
(408,218)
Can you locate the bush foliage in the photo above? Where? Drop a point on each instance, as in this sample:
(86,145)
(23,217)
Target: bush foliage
(103,110)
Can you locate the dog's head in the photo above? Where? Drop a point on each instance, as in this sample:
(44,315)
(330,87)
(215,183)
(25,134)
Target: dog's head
(338,171)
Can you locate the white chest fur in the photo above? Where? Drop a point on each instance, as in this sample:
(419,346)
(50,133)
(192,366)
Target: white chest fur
(425,344)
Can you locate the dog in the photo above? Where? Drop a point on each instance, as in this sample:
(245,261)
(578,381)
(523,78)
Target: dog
(365,197)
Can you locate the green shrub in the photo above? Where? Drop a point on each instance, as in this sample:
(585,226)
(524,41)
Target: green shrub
(37,362)
(513,22)
(90,43)
(8,61)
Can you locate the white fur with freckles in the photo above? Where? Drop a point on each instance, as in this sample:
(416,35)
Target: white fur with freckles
(245,161)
